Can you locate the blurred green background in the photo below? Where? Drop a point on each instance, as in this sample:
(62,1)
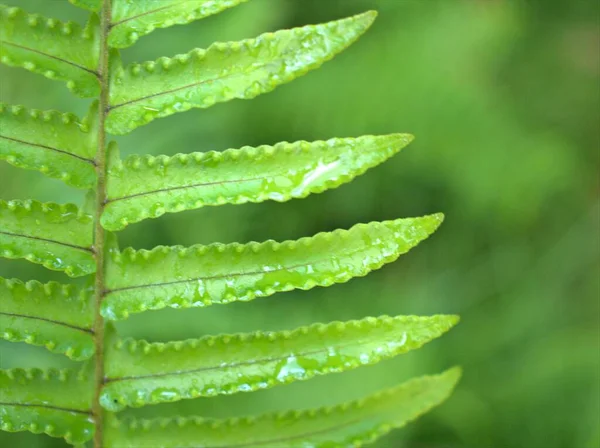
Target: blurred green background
(504,98)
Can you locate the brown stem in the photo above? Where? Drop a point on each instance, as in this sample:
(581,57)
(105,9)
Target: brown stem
(99,233)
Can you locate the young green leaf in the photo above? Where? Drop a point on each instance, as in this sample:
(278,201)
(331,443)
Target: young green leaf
(90,5)
(147,187)
(204,275)
(60,146)
(350,424)
(59,237)
(144,92)
(132,19)
(54,402)
(141,373)
(58,50)
(59,317)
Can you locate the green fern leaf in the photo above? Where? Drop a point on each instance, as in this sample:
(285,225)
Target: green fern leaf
(58,50)
(57,236)
(144,92)
(147,187)
(59,317)
(203,275)
(59,145)
(90,5)
(141,373)
(132,19)
(350,424)
(54,402)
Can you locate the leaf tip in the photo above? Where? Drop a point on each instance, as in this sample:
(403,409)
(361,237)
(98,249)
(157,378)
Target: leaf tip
(369,16)
(452,375)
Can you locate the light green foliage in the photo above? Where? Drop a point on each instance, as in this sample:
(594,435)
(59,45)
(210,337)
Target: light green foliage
(144,92)
(57,236)
(350,424)
(59,317)
(141,373)
(59,145)
(133,19)
(91,5)
(54,402)
(137,280)
(58,50)
(147,187)
(73,319)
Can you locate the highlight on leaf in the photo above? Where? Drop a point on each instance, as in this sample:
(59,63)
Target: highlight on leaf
(141,187)
(141,373)
(58,317)
(144,92)
(74,319)
(58,50)
(354,423)
(132,19)
(52,402)
(58,145)
(200,276)
(59,237)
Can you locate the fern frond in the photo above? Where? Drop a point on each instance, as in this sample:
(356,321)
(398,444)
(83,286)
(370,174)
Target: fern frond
(204,275)
(141,373)
(54,402)
(58,50)
(58,317)
(59,145)
(147,187)
(132,19)
(144,92)
(90,5)
(59,237)
(350,424)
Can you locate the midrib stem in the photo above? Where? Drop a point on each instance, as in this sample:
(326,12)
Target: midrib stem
(99,233)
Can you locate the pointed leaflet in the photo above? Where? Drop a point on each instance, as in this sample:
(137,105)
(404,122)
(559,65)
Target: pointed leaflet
(54,402)
(132,19)
(147,187)
(140,373)
(349,424)
(59,145)
(91,5)
(204,275)
(56,236)
(58,50)
(144,92)
(59,317)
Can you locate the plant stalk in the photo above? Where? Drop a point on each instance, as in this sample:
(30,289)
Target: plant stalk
(99,233)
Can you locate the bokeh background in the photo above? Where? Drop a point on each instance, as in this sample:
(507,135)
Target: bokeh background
(504,98)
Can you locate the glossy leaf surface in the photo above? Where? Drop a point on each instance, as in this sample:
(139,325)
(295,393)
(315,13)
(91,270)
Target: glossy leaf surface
(54,402)
(60,146)
(58,317)
(144,92)
(141,373)
(147,187)
(350,424)
(133,19)
(57,236)
(58,50)
(204,275)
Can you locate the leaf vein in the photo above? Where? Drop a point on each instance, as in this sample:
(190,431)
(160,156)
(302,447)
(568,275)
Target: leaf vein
(50,148)
(60,243)
(45,406)
(22,47)
(234,365)
(183,187)
(74,327)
